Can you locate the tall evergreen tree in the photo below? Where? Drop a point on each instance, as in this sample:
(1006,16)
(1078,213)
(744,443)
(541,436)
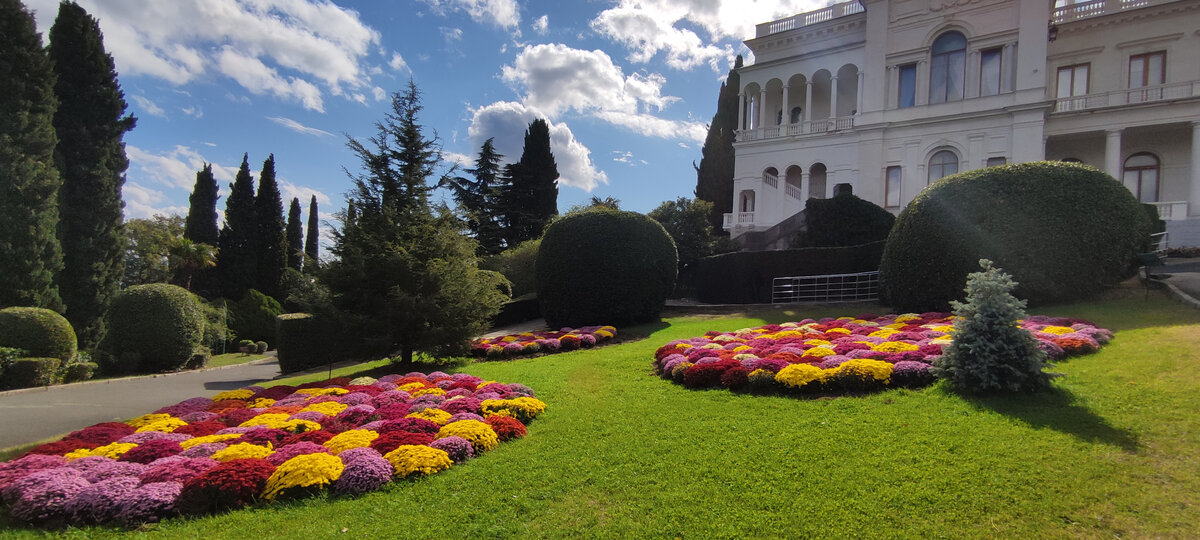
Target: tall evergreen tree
(312,237)
(272,240)
(237,260)
(534,189)
(201,224)
(295,236)
(30,254)
(90,123)
(404,273)
(714,175)
(478,199)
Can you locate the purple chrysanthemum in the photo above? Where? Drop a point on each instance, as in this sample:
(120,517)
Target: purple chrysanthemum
(284,453)
(176,469)
(459,448)
(97,503)
(42,496)
(364,473)
(148,503)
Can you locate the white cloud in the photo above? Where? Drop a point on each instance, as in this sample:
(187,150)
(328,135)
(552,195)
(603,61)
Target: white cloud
(171,170)
(258,78)
(397,62)
(502,13)
(451,34)
(193,111)
(462,160)
(541,25)
(142,202)
(379,93)
(298,127)
(289,191)
(148,107)
(507,121)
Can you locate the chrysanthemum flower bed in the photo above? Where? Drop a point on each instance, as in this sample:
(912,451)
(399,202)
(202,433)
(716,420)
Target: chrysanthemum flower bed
(258,444)
(528,343)
(848,354)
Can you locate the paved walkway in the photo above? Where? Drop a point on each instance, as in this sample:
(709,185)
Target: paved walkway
(1182,279)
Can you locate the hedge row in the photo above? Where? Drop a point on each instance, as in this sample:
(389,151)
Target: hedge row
(745,277)
(300,344)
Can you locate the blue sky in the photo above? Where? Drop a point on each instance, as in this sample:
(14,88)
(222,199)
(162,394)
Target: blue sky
(628,86)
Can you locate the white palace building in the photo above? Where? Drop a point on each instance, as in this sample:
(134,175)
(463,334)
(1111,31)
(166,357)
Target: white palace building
(890,95)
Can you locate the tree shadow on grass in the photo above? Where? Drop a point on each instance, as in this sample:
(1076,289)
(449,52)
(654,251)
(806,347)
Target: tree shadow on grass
(1058,409)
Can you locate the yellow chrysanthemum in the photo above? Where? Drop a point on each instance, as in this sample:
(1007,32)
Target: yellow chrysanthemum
(508,339)
(714,346)
(744,356)
(299,426)
(818,342)
(741,348)
(604,334)
(895,346)
(1058,330)
(413,386)
(208,439)
(240,393)
(323,391)
(818,352)
(267,419)
(408,459)
(865,367)
(946,328)
(783,334)
(481,436)
(113,451)
(431,391)
(147,419)
(883,333)
(165,425)
(941,341)
(327,408)
(798,375)
(260,403)
(868,323)
(354,438)
(905,317)
(895,325)
(242,451)
(838,331)
(436,416)
(522,408)
(363,381)
(303,471)
(683,345)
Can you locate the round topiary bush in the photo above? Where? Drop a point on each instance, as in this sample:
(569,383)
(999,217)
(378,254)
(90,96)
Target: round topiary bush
(159,324)
(604,266)
(1063,231)
(41,332)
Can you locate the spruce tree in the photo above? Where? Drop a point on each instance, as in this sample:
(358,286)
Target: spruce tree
(237,260)
(403,274)
(90,123)
(478,200)
(533,191)
(30,255)
(714,175)
(295,236)
(271,238)
(312,237)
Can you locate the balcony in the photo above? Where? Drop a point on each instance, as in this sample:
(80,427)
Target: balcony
(1172,210)
(738,220)
(1132,96)
(1073,11)
(807,18)
(812,127)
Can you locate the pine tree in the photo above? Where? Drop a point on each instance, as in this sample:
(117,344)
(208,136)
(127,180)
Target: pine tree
(402,272)
(714,175)
(533,199)
(237,260)
(271,238)
(295,236)
(478,199)
(312,237)
(30,254)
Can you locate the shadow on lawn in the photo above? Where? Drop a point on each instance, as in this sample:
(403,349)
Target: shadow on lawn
(1059,409)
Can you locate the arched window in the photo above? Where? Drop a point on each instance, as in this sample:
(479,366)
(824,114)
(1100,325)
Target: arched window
(1141,176)
(943,163)
(947,68)
(817,176)
(795,116)
(746,203)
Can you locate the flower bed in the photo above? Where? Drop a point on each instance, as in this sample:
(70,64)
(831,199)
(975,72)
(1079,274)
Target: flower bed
(528,343)
(863,353)
(258,444)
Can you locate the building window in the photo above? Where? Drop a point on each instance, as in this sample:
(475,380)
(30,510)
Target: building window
(908,86)
(1141,176)
(947,68)
(795,116)
(747,201)
(817,175)
(1147,69)
(994,161)
(891,188)
(942,164)
(989,71)
(1073,80)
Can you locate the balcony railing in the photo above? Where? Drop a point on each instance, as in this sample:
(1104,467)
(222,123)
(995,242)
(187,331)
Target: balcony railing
(1171,210)
(1132,96)
(1075,11)
(807,18)
(738,220)
(811,127)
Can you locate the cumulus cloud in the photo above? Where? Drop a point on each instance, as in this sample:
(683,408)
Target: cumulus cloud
(255,76)
(142,202)
(506,121)
(298,127)
(541,25)
(289,191)
(501,13)
(148,107)
(175,168)
(397,62)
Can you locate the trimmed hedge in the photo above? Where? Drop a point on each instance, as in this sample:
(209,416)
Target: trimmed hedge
(745,277)
(299,344)
(604,266)
(28,372)
(518,310)
(844,220)
(253,317)
(1063,230)
(155,327)
(42,332)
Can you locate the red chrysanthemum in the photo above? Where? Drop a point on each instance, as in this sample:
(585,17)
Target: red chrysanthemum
(735,377)
(229,485)
(58,448)
(151,450)
(416,425)
(387,442)
(201,429)
(708,375)
(319,437)
(506,428)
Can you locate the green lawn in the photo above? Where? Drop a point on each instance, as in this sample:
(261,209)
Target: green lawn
(1113,451)
(233,358)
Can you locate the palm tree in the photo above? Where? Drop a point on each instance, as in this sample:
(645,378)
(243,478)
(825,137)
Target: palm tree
(188,257)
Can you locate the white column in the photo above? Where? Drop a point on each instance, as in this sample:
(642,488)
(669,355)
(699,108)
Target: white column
(741,110)
(922,91)
(972,82)
(891,99)
(1112,153)
(762,108)
(1194,199)
(805,184)
(786,117)
(807,101)
(1007,62)
(858,106)
(833,95)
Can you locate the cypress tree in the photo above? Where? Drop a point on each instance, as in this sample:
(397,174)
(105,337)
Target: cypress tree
(272,240)
(311,237)
(534,188)
(237,261)
(201,228)
(295,238)
(714,175)
(30,254)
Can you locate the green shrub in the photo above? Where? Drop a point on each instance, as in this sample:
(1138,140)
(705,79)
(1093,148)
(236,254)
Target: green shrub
(260,347)
(153,328)
(246,346)
(525,308)
(518,265)
(8,355)
(199,358)
(745,277)
(40,331)
(216,329)
(604,267)
(253,317)
(79,371)
(990,352)
(844,220)
(29,372)
(299,345)
(1063,230)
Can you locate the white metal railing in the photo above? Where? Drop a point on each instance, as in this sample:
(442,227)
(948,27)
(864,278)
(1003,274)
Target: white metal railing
(727,222)
(809,127)
(1073,11)
(1131,96)
(737,219)
(859,287)
(1171,210)
(807,18)
(1159,244)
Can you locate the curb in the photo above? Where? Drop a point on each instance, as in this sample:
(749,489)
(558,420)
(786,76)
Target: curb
(136,377)
(1179,294)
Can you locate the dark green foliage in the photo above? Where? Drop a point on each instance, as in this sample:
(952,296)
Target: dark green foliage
(148,249)
(8,355)
(201,225)
(216,325)
(517,310)
(271,239)
(78,371)
(990,352)
(154,328)
(844,220)
(199,359)
(299,344)
(479,202)
(518,265)
(260,347)
(30,255)
(246,346)
(1063,230)
(237,261)
(604,267)
(405,277)
(295,237)
(531,196)
(90,123)
(29,372)
(253,317)
(40,331)
(714,175)
(312,238)
(686,220)
(745,277)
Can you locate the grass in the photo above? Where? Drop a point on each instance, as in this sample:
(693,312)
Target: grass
(233,358)
(1114,450)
